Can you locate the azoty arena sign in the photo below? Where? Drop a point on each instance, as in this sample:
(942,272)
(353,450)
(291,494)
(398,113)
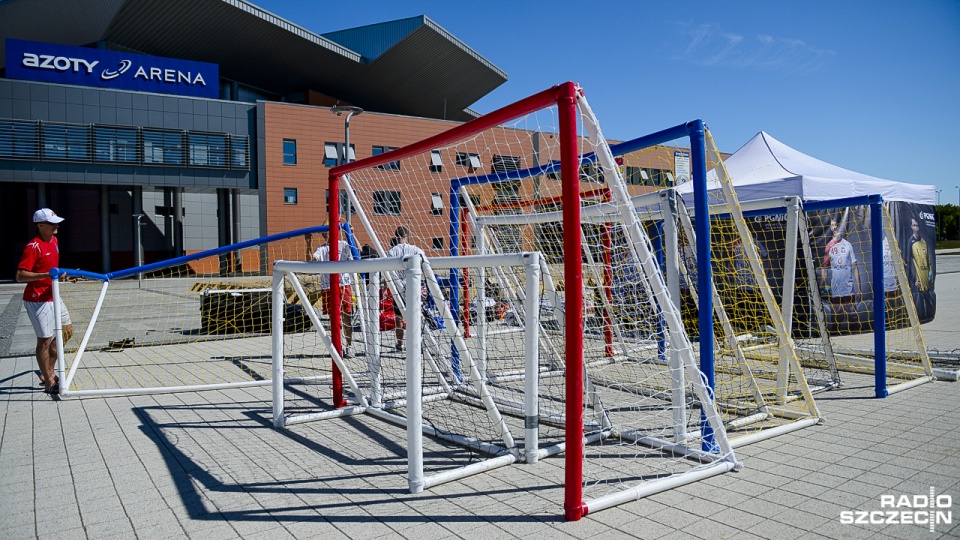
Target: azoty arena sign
(49,62)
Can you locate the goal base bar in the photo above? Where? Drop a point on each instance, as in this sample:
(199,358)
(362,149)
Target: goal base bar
(614,499)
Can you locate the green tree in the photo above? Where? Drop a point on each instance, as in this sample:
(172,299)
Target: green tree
(948,221)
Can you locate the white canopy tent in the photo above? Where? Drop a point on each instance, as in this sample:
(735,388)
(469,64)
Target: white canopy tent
(765,168)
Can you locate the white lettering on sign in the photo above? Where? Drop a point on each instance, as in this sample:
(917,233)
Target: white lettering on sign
(168,76)
(58,63)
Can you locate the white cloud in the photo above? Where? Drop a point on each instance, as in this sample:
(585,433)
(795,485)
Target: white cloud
(708,45)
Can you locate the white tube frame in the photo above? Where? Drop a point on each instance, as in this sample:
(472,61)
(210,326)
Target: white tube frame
(413,274)
(67,379)
(416,269)
(668,204)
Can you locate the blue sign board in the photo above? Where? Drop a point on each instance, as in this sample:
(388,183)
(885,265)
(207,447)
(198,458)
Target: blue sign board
(29,60)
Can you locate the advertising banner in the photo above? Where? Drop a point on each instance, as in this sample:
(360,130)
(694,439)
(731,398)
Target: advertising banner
(915,229)
(49,62)
(681,166)
(840,240)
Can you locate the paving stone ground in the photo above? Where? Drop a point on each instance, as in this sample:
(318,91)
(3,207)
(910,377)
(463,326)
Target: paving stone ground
(209,465)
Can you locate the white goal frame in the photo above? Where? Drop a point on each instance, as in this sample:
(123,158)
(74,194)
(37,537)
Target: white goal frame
(371,400)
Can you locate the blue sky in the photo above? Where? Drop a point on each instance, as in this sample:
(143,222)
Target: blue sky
(872,86)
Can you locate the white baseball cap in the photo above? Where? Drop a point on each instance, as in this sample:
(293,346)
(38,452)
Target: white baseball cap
(46,215)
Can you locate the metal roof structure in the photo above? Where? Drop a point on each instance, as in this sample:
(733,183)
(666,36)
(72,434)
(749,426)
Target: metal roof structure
(381,67)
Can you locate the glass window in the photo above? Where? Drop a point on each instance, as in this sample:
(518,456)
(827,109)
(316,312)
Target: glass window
(386,203)
(66,142)
(658,177)
(505,163)
(391,166)
(466,159)
(19,140)
(636,176)
(115,144)
(333,151)
(289,195)
(475,200)
(436,163)
(239,152)
(207,149)
(344,200)
(289,151)
(162,147)
(591,172)
(122,145)
(438,243)
(331,154)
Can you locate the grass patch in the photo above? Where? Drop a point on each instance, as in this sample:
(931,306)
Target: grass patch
(948,244)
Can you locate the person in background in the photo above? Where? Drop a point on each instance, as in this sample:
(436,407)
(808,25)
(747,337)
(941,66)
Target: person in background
(41,255)
(346,294)
(401,248)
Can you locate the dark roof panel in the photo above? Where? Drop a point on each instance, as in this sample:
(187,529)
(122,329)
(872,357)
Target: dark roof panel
(372,40)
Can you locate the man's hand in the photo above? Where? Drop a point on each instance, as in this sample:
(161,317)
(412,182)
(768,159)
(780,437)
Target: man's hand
(69,279)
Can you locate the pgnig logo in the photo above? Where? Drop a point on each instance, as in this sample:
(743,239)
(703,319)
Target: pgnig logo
(927,510)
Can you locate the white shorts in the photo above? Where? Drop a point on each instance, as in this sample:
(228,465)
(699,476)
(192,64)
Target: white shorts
(41,317)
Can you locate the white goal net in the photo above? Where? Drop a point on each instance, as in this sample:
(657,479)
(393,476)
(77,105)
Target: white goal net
(618,389)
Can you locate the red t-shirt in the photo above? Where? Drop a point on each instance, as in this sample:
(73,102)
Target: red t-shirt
(39,256)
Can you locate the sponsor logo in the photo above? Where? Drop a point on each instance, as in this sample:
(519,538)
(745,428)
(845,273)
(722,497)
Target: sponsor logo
(63,63)
(928,510)
(769,217)
(109,74)
(112,69)
(57,63)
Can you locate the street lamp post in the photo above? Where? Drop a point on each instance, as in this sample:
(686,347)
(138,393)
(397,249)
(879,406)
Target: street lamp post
(138,246)
(345,157)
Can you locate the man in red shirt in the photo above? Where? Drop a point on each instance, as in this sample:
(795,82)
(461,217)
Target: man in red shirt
(40,256)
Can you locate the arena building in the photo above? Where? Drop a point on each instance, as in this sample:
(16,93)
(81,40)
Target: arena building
(161,128)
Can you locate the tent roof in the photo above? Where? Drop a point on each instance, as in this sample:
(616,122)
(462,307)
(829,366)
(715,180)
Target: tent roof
(767,168)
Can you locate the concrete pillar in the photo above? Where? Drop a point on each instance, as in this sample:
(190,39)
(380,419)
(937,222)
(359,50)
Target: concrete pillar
(235,215)
(235,219)
(105,247)
(177,221)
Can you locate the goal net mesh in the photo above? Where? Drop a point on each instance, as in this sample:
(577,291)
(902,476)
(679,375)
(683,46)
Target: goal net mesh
(843,251)
(646,415)
(187,323)
(760,387)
